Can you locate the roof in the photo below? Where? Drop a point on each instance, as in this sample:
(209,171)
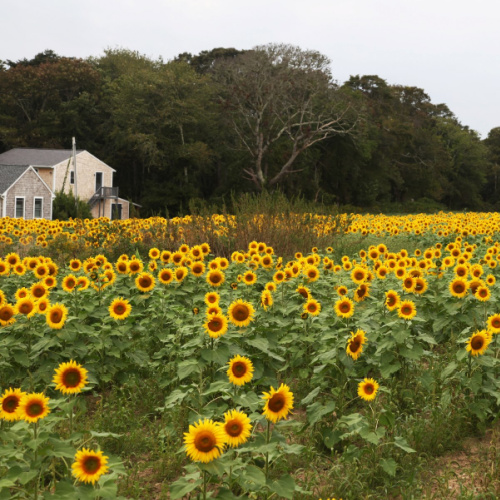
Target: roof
(36,157)
(9,175)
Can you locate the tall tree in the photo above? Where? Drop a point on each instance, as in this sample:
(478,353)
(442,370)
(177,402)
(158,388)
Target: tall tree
(280,96)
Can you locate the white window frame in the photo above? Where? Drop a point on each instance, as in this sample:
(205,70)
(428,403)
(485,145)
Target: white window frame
(34,207)
(24,207)
(102,180)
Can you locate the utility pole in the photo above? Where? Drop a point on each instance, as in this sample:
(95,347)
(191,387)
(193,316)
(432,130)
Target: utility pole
(74,170)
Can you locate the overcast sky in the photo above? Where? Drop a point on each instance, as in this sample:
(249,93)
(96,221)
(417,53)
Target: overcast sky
(450,48)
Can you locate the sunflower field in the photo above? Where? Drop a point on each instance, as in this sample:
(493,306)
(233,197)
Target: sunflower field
(156,359)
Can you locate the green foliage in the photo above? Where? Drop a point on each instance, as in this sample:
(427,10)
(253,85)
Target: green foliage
(66,206)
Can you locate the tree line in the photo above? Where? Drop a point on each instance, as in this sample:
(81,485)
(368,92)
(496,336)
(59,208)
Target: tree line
(227,121)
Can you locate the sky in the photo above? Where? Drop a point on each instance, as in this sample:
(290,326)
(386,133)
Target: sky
(449,48)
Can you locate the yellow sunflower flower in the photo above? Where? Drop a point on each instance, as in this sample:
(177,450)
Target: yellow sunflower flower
(56,316)
(312,307)
(145,282)
(9,404)
(478,342)
(237,428)
(493,323)
(278,403)
(33,407)
(407,310)
(216,325)
(367,389)
(205,441)
(344,307)
(70,378)
(89,465)
(240,370)
(240,313)
(355,344)
(7,315)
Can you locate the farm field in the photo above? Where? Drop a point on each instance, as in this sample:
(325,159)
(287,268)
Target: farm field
(274,356)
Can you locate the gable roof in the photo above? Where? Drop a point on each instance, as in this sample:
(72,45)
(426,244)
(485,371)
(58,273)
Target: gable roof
(36,157)
(10,174)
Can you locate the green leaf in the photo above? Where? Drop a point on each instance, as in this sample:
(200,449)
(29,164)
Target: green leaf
(369,436)
(448,370)
(182,487)
(284,487)
(185,368)
(316,411)
(311,396)
(401,442)
(389,465)
(387,370)
(254,475)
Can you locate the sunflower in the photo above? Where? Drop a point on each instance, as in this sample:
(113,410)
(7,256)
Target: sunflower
(409,283)
(216,325)
(237,427)
(50,281)
(135,266)
(312,307)
(197,268)
(145,282)
(56,316)
(392,300)
(249,278)
(407,309)
(358,275)
(420,286)
(122,267)
(478,342)
(166,276)
(311,273)
(33,407)
(154,253)
(344,307)
(458,287)
(39,290)
(89,465)
(9,404)
(482,293)
(205,441)
(3,298)
(493,323)
(70,378)
(278,403)
(26,306)
(341,290)
(213,309)
(22,293)
(240,313)
(42,305)
(120,308)
(304,291)
(367,389)
(212,298)
(75,264)
(69,283)
(271,286)
(266,299)
(4,268)
(7,313)
(279,276)
(362,292)
(215,277)
(355,344)
(41,270)
(82,283)
(180,273)
(240,370)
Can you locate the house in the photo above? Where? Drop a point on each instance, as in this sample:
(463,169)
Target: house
(26,174)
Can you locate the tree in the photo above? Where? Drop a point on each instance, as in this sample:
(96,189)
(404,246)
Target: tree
(280,96)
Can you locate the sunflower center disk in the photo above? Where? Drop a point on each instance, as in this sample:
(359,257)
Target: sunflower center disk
(72,378)
(354,345)
(477,343)
(240,313)
(34,409)
(119,309)
(239,369)
(10,404)
(215,326)
(234,428)
(369,389)
(91,465)
(276,403)
(56,317)
(205,441)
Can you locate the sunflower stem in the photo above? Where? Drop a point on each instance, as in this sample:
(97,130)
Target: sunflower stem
(70,417)
(268,436)
(205,485)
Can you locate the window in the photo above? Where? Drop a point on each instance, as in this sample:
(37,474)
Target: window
(98,180)
(38,208)
(116,211)
(72,177)
(19,208)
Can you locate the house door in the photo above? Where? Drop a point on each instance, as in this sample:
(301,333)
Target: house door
(98,180)
(116,211)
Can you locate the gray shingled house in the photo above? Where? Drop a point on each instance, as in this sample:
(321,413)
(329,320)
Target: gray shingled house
(91,180)
(23,193)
